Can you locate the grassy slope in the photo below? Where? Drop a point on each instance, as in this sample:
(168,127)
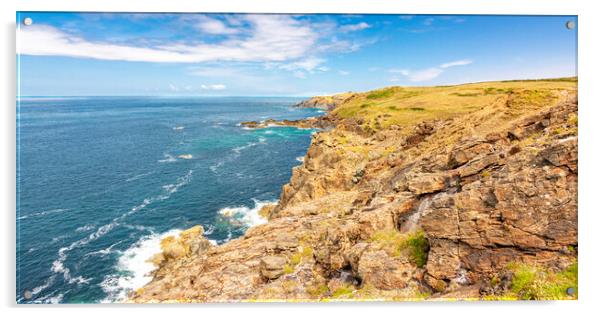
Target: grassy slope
(406,106)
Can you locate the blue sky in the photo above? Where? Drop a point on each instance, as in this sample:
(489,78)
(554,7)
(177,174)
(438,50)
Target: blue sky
(282,55)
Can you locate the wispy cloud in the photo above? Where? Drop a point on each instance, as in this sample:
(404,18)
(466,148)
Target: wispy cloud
(302,67)
(213,86)
(215,26)
(427,74)
(344,73)
(355,27)
(271,38)
(462,62)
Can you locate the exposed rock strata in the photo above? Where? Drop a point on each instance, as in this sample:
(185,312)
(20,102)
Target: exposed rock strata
(486,188)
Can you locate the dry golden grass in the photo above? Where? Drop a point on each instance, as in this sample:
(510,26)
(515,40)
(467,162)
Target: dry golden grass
(406,106)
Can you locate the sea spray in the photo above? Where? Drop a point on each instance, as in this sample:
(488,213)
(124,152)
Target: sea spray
(133,267)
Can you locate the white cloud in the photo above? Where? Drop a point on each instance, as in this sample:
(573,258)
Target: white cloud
(355,27)
(424,74)
(427,73)
(302,67)
(462,62)
(214,26)
(344,73)
(271,38)
(213,86)
(173,88)
(308,64)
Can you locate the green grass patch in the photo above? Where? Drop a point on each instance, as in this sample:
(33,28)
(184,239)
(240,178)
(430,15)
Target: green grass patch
(466,94)
(305,253)
(343,291)
(537,283)
(380,94)
(414,245)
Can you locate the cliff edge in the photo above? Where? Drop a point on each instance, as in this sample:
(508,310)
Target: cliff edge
(465,191)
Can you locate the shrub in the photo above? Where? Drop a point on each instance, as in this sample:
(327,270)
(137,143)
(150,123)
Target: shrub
(418,247)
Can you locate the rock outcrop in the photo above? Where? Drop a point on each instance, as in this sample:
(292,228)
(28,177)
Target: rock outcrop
(436,209)
(325,102)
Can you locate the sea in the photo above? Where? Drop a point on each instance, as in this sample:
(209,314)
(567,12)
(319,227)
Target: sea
(101,180)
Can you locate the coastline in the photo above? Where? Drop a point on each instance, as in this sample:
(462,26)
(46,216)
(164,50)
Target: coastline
(371,195)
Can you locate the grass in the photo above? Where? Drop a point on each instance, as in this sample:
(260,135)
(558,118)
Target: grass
(537,283)
(407,106)
(414,245)
(306,252)
(288,269)
(343,291)
(317,290)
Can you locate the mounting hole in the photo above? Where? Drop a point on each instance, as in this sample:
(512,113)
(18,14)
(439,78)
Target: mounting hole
(27,21)
(570,291)
(570,25)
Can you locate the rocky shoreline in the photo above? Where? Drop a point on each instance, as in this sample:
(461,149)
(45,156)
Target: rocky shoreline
(452,208)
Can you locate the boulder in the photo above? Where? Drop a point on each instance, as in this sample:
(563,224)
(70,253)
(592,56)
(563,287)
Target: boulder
(272,267)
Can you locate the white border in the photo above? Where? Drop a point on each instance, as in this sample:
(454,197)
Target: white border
(589,152)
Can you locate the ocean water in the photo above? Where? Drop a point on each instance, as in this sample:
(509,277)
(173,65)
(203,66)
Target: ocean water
(101,180)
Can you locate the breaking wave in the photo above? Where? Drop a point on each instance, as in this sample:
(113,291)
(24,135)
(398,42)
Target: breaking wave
(244,216)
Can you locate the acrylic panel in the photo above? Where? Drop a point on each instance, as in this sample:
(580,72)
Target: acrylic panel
(197,158)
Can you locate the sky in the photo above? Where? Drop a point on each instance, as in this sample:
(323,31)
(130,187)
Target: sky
(118,54)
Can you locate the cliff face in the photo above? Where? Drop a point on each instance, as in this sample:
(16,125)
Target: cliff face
(437,208)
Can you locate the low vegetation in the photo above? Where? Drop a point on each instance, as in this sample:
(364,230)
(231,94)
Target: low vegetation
(406,106)
(538,283)
(414,245)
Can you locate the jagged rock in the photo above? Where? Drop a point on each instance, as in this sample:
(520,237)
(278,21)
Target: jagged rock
(378,269)
(427,183)
(272,267)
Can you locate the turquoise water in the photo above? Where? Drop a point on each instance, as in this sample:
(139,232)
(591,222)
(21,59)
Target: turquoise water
(102,179)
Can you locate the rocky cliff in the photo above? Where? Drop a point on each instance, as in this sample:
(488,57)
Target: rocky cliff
(325,102)
(475,199)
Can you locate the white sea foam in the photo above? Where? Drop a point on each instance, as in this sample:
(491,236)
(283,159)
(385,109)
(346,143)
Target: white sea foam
(58,265)
(260,141)
(42,213)
(244,216)
(178,128)
(103,252)
(168,158)
(209,230)
(85,228)
(300,158)
(133,267)
(136,177)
